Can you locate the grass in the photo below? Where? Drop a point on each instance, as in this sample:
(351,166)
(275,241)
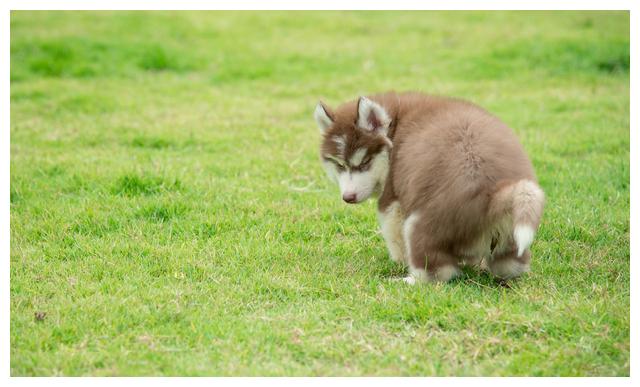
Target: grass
(169,215)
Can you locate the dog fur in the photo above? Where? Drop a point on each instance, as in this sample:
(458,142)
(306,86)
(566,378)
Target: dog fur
(454,185)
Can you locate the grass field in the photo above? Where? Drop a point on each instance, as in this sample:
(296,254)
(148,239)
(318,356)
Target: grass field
(169,214)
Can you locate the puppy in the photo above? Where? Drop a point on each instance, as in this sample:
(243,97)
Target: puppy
(454,185)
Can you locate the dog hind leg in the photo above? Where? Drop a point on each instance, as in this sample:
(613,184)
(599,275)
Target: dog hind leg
(426,264)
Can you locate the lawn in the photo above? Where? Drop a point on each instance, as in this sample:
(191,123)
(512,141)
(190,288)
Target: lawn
(170,216)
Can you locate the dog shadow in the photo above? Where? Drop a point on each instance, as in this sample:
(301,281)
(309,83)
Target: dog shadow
(470,275)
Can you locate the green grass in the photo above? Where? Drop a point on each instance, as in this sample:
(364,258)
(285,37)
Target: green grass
(170,216)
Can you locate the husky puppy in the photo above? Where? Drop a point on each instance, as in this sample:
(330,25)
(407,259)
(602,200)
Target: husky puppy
(454,185)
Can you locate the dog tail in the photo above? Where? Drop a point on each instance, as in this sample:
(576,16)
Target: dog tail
(523,202)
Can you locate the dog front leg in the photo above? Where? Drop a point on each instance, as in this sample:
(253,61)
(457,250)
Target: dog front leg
(391,220)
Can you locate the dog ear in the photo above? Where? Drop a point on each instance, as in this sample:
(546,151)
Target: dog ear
(372,116)
(323,116)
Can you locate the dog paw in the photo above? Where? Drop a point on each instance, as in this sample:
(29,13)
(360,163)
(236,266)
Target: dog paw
(411,280)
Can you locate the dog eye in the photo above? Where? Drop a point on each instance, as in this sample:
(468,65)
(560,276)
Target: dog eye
(339,164)
(366,162)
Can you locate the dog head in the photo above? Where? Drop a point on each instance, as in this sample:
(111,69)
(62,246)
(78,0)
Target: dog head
(355,148)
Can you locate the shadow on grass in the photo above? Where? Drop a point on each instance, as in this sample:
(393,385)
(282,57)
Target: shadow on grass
(470,275)
(483,278)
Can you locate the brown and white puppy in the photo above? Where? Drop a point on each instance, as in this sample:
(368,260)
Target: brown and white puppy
(454,185)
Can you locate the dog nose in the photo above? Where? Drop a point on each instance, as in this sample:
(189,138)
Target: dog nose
(349,197)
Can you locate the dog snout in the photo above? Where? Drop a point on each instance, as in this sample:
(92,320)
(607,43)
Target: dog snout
(349,197)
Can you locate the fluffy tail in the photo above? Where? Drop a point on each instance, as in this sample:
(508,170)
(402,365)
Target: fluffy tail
(523,201)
